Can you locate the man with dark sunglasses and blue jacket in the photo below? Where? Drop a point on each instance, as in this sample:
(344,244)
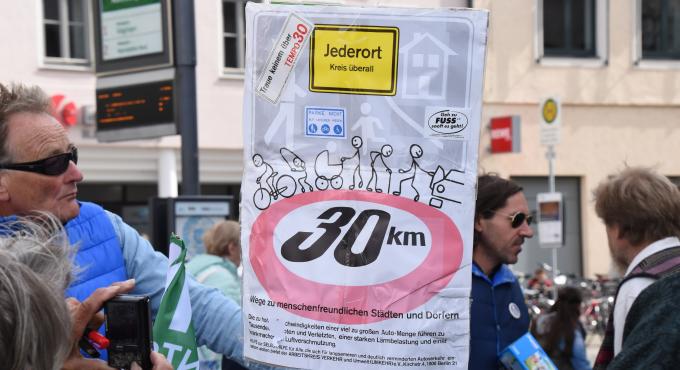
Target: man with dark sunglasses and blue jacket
(39,172)
(498,314)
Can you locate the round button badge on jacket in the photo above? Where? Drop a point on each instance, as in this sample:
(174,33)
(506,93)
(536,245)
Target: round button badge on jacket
(514,310)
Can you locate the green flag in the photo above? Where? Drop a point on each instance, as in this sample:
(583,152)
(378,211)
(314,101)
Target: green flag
(173,332)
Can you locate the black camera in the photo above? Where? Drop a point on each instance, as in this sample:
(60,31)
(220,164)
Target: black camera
(128,328)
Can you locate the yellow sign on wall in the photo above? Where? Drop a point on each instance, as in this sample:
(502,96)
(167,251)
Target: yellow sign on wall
(550,111)
(354,59)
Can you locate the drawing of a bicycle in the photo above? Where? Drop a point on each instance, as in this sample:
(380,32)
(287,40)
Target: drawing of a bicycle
(284,186)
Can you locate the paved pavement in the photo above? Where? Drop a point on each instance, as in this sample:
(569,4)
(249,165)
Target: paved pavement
(593,342)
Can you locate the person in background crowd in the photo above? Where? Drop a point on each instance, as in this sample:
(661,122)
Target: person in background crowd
(40,330)
(39,172)
(498,315)
(540,281)
(560,332)
(218,268)
(641,212)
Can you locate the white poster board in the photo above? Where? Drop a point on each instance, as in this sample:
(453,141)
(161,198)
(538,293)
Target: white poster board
(361,134)
(550,221)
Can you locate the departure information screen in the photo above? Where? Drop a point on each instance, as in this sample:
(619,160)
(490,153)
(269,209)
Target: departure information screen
(135,105)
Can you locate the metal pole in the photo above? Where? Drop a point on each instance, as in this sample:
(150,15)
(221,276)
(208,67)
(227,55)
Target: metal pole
(551,171)
(551,183)
(185,61)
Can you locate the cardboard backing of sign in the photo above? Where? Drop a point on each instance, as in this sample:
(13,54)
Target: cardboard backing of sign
(361,134)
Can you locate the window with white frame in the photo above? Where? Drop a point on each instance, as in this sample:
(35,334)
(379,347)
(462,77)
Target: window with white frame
(571,29)
(234,35)
(66,32)
(660,29)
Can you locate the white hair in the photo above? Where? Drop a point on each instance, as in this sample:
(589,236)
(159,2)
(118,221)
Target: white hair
(35,268)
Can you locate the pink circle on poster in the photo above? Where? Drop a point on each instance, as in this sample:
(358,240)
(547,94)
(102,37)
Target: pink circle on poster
(380,301)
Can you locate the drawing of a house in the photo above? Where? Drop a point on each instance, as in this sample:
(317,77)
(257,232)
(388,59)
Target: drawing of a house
(426,67)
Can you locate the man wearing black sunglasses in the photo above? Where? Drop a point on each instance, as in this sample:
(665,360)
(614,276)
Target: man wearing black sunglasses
(498,315)
(39,172)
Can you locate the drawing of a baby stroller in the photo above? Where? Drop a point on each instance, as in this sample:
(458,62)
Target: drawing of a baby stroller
(327,172)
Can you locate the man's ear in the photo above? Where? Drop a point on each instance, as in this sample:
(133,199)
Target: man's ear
(617,231)
(4,190)
(478,224)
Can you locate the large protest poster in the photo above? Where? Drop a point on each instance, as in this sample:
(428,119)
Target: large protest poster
(361,133)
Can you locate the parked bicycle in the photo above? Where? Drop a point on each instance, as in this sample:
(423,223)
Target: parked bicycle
(600,303)
(538,302)
(598,300)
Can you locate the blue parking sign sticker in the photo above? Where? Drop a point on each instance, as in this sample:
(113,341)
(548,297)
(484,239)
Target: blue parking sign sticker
(325,122)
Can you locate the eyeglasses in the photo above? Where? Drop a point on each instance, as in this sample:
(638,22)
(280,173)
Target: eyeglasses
(50,166)
(518,219)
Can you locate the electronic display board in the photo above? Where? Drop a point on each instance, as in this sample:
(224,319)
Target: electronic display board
(136,111)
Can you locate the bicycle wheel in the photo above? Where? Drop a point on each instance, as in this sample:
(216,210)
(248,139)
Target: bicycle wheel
(286,186)
(262,199)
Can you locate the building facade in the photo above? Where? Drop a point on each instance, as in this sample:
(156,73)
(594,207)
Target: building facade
(614,65)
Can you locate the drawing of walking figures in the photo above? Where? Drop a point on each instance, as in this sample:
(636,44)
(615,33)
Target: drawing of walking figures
(380,156)
(356,143)
(416,152)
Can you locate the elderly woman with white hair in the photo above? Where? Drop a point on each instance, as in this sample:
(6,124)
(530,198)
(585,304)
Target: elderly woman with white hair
(39,328)
(35,269)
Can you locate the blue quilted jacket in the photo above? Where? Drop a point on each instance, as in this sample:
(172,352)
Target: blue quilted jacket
(498,316)
(99,257)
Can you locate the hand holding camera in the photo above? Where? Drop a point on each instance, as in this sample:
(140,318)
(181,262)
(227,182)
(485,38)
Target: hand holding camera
(86,316)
